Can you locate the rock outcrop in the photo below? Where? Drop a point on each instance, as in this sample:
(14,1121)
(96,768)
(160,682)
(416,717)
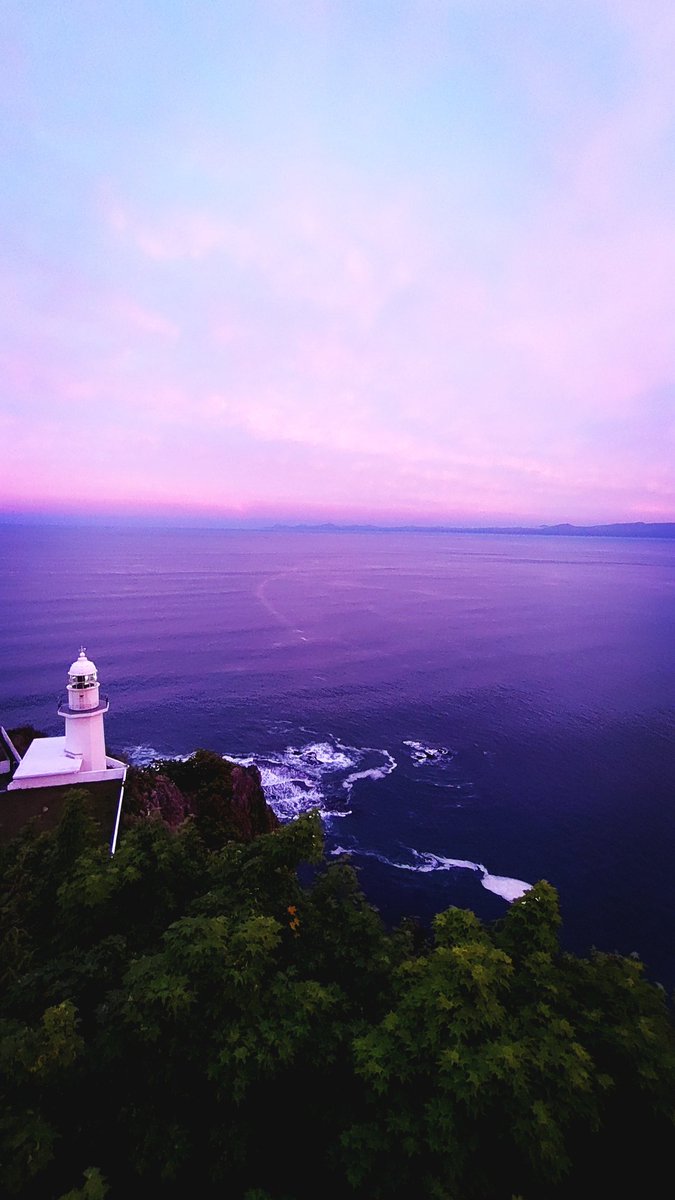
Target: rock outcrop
(253,813)
(225,800)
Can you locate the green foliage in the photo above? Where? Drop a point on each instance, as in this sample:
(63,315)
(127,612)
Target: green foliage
(94,1188)
(35,1063)
(224,800)
(208,1016)
(490,1071)
(76,832)
(531,925)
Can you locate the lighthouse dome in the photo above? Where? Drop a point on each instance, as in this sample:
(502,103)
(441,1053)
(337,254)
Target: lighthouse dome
(82,668)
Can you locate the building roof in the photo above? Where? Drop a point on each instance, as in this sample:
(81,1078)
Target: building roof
(82,665)
(45,757)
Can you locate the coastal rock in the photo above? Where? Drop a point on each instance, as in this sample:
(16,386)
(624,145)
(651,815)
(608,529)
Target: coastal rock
(253,813)
(226,801)
(154,795)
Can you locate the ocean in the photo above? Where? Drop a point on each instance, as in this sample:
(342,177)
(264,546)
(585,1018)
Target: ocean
(470,713)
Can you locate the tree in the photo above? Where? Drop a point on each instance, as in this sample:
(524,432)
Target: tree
(491,1073)
(203,997)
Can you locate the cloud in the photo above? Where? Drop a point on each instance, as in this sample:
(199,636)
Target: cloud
(182,235)
(437,273)
(142,319)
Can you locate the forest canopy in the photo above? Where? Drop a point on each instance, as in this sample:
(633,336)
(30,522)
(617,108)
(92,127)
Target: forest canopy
(220,1014)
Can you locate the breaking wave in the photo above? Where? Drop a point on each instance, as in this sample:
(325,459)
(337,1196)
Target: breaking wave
(144,755)
(321,775)
(316,775)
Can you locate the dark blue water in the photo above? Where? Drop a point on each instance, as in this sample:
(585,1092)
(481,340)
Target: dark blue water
(471,713)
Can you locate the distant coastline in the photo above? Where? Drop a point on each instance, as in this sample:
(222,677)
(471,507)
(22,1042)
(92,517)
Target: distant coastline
(186,522)
(633,529)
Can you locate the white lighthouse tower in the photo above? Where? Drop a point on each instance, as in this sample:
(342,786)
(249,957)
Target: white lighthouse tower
(83,710)
(79,757)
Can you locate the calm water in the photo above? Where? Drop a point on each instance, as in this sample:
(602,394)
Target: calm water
(471,713)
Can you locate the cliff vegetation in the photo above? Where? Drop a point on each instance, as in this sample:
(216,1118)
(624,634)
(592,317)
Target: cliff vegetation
(212,1013)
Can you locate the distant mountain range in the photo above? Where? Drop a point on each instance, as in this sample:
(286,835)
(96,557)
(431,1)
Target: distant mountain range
(624,529)
(632,529)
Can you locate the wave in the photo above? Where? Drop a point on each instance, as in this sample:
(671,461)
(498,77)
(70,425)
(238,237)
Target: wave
(388,766)
(144,755)
(321,774)
(425,862)
(316,775)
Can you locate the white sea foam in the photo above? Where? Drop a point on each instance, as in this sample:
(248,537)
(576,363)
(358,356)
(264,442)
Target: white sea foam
(288,796)
(437,862)
(421,753)
(312,775)
(323,755)
(388,766)
(425,862)
(144,755)
(508,889)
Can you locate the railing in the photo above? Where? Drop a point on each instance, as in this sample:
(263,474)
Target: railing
(63,703)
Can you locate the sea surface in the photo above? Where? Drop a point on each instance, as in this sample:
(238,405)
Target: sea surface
(470,713)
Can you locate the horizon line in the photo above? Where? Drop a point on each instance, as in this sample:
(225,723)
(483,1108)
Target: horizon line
(192,521)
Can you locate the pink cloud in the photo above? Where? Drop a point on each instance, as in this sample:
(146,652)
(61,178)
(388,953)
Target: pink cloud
(182,235)
(395,335)
(144,320)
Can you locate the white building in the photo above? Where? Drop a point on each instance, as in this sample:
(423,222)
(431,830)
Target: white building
(80,756)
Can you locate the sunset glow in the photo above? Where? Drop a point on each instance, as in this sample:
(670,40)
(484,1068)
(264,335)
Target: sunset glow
(310,260)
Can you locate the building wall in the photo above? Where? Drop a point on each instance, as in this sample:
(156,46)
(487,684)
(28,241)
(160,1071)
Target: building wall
(43,807)
(85,736)
(75,780)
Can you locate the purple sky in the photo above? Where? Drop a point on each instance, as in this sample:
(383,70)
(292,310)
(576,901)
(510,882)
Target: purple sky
(339,259)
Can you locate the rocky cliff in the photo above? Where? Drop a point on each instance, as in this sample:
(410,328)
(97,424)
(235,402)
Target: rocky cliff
(225,800)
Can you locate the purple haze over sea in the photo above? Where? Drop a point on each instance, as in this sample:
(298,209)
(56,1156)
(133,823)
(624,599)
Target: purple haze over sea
(471,713)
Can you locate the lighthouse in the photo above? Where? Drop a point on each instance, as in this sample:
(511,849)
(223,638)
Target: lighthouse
(79,757)
(83,710)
